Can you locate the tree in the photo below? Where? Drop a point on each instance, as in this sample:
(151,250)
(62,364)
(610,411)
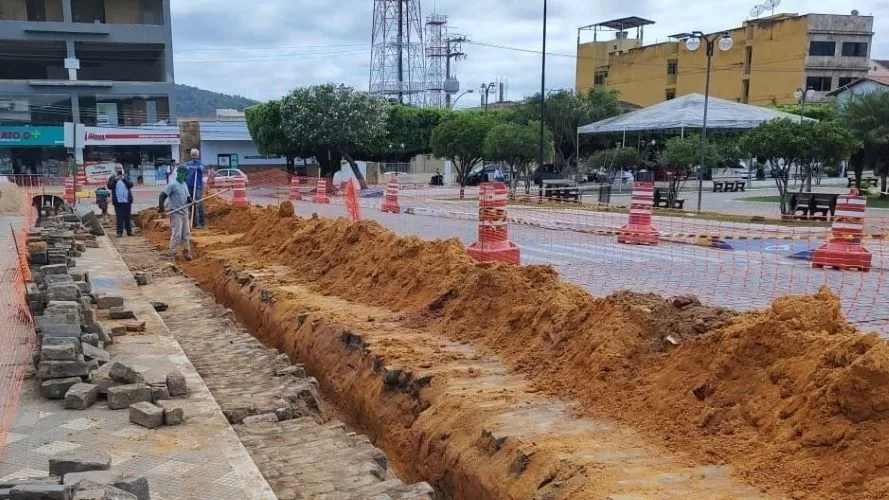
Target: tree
(614,160)
(822,111)
(682,156)
(461,139)
(867,117)
(335,121)
(518,146)
(264,125)
(408,133)
(565,113)
(784,143)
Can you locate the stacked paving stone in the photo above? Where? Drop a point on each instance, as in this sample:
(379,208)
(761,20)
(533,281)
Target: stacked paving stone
(78,475)
(71,361)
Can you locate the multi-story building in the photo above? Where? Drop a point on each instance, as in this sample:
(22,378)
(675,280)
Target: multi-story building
(106,65)
(770,59)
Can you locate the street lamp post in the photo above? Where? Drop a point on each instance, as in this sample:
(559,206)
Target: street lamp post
(542,95)
(454,104)
(693,43)
(486,90)
(801,98)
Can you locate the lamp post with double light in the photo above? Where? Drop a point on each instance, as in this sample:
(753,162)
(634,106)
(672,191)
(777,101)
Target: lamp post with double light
(801,98)
(693,43)
(454,104)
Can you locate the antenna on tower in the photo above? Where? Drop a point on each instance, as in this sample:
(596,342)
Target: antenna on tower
(397,58)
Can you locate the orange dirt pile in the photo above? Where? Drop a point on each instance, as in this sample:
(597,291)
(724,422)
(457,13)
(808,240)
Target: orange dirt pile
(269,177)
(793,397)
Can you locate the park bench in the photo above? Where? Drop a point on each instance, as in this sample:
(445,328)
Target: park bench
(867,179)
(662,201)
(560,191)
(809,204)
(728,184)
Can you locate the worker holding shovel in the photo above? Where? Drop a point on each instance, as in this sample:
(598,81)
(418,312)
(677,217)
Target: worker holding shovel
(176,193)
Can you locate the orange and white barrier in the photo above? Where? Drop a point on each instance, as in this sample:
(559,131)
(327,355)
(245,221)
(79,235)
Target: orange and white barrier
(493,243)
(294,194)
(390,198)
(239,192)
(69,195)
(639,230)
(321,192)
(844,250)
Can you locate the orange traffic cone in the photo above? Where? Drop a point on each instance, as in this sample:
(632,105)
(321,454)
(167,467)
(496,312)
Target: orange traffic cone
(390,198)
(240,192)
(844,249)
(493,243)
(638,230)
(321,192)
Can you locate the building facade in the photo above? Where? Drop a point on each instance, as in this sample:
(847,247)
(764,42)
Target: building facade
(104,64)
(867,85)
(770,59)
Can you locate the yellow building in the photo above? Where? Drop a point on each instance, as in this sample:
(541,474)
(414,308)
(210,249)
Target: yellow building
(769,60)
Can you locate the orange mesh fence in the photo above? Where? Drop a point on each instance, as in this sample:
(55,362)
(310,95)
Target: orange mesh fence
(738,252)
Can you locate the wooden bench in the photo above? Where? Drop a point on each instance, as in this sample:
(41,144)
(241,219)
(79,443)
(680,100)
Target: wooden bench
(728,184)
(810,204)
(867,179)
(661,201)
(561,193)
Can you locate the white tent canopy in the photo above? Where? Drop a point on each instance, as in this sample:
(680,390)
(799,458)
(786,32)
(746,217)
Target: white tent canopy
(688,112)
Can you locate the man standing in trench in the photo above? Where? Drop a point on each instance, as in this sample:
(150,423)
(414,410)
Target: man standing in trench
(195,183)
(177,194)
(121,188)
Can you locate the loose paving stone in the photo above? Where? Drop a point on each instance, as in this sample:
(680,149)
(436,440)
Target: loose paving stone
(62,341)
(176,384)
(174,414)
(123,396)
(62,369)
(118,331)
(121,313)
(136,485)
(90,339)
(147,415)
(136,327)
(41,492)
(94,327)
(81,396)
(109,301)
(123,373)
(54,269)
(159,393)
(78,461)
(84,286)
(265,417)
(62,352)
(159,306)
(62,291)
(60,329)
(90,490)
(57,387)
(92,352)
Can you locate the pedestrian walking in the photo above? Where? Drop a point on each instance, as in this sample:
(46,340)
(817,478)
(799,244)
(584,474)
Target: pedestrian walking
(175,194)
(195,182)
(121,188)
(102,196)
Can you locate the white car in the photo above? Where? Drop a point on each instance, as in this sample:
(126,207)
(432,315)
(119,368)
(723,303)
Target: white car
(224,177)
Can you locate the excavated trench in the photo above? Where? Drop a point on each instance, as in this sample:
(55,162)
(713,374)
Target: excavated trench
(489,381)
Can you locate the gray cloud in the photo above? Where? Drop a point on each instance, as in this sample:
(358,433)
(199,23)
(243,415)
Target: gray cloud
(263,48)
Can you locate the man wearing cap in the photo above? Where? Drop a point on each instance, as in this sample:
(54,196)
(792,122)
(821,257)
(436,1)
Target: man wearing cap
(176,193)
(195,182)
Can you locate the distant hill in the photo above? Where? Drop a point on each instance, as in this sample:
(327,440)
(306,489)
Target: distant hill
(192,102)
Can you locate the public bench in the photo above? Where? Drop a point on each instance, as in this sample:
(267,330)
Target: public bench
(728,184)
(867,179)
(810,204)
(560,191)
(662,201)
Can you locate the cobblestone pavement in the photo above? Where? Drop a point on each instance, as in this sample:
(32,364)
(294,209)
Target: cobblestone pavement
(202,459)
(744,279)
(303,457)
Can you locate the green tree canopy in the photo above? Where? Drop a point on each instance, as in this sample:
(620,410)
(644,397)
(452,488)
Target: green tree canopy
(821,111)
(614,159)
(335,121)
(867,118)
(264,125)
(518,145)
(565,113)
(408,133)
(461,139)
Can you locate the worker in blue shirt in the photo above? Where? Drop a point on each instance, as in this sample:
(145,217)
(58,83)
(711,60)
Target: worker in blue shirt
(195,182)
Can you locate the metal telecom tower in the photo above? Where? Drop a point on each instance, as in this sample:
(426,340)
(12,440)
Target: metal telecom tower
(397,59)
(436,55)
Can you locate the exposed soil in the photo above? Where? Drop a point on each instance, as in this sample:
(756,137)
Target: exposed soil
(792,396)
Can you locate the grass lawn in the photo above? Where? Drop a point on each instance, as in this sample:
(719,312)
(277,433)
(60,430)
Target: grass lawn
(872,202)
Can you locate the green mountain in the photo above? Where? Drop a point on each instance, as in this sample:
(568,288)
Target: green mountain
(192,102)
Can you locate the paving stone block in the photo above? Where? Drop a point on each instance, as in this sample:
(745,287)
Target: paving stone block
(78,461)
(89,315)
(90,339)
(141,278)
(121,313)
(90,490)
(117,331)
(159,393)
(62,291)
(176,384)
(123,396)
(79,276)
(93,352)
(81,396)
(57,387)
(135,485)
(54,269)
(41,492)
(62,369)
(63,352)
(109,301)
(147,415)
(136,326)
(53,279)
(121,372)
(174,414)
(256,419)
(95,476)
(60,330)
(37,247)
(64,340)
(94,327)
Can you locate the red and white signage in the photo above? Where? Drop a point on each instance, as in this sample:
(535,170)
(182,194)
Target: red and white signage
(98,172)
(154,136)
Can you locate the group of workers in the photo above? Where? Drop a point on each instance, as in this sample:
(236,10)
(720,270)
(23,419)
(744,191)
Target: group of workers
(182,198)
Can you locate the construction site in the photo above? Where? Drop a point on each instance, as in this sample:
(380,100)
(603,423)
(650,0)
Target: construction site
(310,351)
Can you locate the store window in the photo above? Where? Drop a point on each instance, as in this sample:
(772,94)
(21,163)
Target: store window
(124,111)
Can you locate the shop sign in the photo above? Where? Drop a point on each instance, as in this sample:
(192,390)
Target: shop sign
(157,136)
(99,172)
(23,137)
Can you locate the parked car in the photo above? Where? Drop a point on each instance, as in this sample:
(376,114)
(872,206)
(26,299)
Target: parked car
(224,177)
(486,173)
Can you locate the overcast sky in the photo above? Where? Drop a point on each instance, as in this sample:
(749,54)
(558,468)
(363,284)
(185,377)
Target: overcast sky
(263,48)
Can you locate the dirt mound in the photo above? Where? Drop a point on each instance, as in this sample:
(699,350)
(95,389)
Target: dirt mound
(286,210)
(269,177)
(777,393)
(11,198)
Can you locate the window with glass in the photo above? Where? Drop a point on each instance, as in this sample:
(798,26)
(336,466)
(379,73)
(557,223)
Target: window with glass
(672,67)
(118,11)
(817,48)
(31,10)
(124,111)
(819,83)
(121,62)
(27,60)
(35,109)
(854,49)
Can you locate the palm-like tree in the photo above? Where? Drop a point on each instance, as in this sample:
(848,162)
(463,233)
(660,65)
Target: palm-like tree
(867,117)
